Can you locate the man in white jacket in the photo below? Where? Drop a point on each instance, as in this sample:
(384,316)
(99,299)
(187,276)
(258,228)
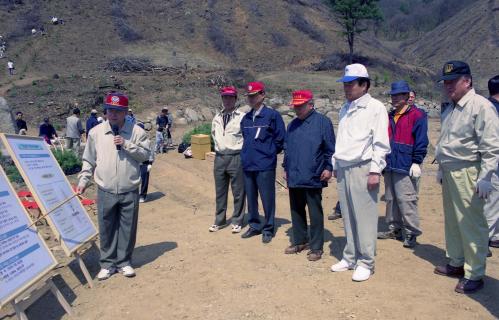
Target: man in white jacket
(361,146)
(228,139)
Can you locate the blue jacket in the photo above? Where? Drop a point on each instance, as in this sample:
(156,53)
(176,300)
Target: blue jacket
(263,139)
(408,140)
(91,122)
(309,148)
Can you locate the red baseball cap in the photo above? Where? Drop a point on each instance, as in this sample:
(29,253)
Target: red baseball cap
(115,100)
(254,87)
(301,97)
(228,91)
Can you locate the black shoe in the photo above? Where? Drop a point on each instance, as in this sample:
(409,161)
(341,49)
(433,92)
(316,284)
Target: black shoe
(334,215)
(266,238)
(494,243)
(468,286)
(410,241)
(392,234)
(250,233)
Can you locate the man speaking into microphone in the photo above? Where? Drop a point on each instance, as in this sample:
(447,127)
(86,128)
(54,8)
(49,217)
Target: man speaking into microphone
(113,154)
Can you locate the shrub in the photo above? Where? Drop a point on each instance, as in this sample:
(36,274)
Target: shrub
(220,41)
(68,160)
(201,129)
(279,39)
(13,173)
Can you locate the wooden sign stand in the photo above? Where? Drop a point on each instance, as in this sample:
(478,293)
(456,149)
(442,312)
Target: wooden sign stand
(69,252)
(23,302)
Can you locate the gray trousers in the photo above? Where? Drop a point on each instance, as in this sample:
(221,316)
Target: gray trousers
(491,209)
(401,195)
(73,144)
(229,170)
(360,214)
(118,216)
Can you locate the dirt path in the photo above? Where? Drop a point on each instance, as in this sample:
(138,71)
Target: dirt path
(185,272)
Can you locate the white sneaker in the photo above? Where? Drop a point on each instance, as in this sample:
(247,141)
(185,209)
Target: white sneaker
(142,199)
(343,265)
(214,228)
(236,228)
(105,274)
(127,271)
(361,274)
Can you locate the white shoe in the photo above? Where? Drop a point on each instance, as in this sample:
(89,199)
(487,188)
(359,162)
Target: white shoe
(105,274)
(214,228)
(236,228)
(361,274)
(142,199)
(343,265)
(127,271)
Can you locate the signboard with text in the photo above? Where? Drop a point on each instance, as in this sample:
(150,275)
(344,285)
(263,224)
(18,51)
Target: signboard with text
(24,256)
(50,187)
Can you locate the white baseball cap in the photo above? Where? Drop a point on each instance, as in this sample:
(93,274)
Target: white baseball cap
(353,72)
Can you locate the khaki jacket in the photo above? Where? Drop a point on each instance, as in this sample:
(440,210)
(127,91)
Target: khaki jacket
(230,140)
(114,171)
(469,133)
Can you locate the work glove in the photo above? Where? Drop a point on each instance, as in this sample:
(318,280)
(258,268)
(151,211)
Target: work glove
(484,188)
(439,177)
(415,170)
(149,166)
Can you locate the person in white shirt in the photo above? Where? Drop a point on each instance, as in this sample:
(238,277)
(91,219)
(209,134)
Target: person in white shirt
(361,146)
(10,65)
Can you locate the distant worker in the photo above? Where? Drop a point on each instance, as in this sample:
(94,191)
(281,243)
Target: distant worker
(492,204)
(20,123)
(10,65)
(74,130)
(92,121)
(47,131)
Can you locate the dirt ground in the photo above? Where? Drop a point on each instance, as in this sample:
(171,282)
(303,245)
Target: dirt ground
(185,272)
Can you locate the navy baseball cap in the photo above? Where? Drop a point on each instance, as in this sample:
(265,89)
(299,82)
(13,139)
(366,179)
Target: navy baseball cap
(400,87)
(454,69)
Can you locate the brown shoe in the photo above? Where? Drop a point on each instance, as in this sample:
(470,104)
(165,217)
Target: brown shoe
(293,249)
(314,255)
(449,271)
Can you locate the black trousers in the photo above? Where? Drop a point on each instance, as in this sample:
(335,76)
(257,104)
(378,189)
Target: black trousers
(299,198)
(144,176)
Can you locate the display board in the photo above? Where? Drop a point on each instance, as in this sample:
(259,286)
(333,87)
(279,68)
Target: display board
(50,187)
(24,256)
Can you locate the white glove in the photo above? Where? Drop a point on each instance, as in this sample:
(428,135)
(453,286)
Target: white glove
(149,166)
(439,177)
(484,188)
(415,170)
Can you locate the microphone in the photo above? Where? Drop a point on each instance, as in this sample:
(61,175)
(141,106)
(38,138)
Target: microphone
(116,132)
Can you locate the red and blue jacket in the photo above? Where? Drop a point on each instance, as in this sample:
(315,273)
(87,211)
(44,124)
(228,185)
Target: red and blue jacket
(408,140)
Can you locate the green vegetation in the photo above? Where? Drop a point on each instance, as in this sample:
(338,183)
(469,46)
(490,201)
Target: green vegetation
(69,162)
(351,13)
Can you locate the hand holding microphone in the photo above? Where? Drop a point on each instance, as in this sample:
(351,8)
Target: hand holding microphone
(118,140)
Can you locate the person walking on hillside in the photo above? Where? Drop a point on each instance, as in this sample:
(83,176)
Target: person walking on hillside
(361,147)
(308,168)
(47,131)
(10,66)
(492,204)
(467,153)
(21,125)
(113,155)
(408,133)
(74,130)
(228,140)
(263,133)
(92,121)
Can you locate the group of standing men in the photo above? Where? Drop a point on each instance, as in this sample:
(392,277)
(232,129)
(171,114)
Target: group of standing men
(370,142)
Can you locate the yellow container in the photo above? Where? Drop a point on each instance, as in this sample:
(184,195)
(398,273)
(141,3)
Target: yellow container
(200,145)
